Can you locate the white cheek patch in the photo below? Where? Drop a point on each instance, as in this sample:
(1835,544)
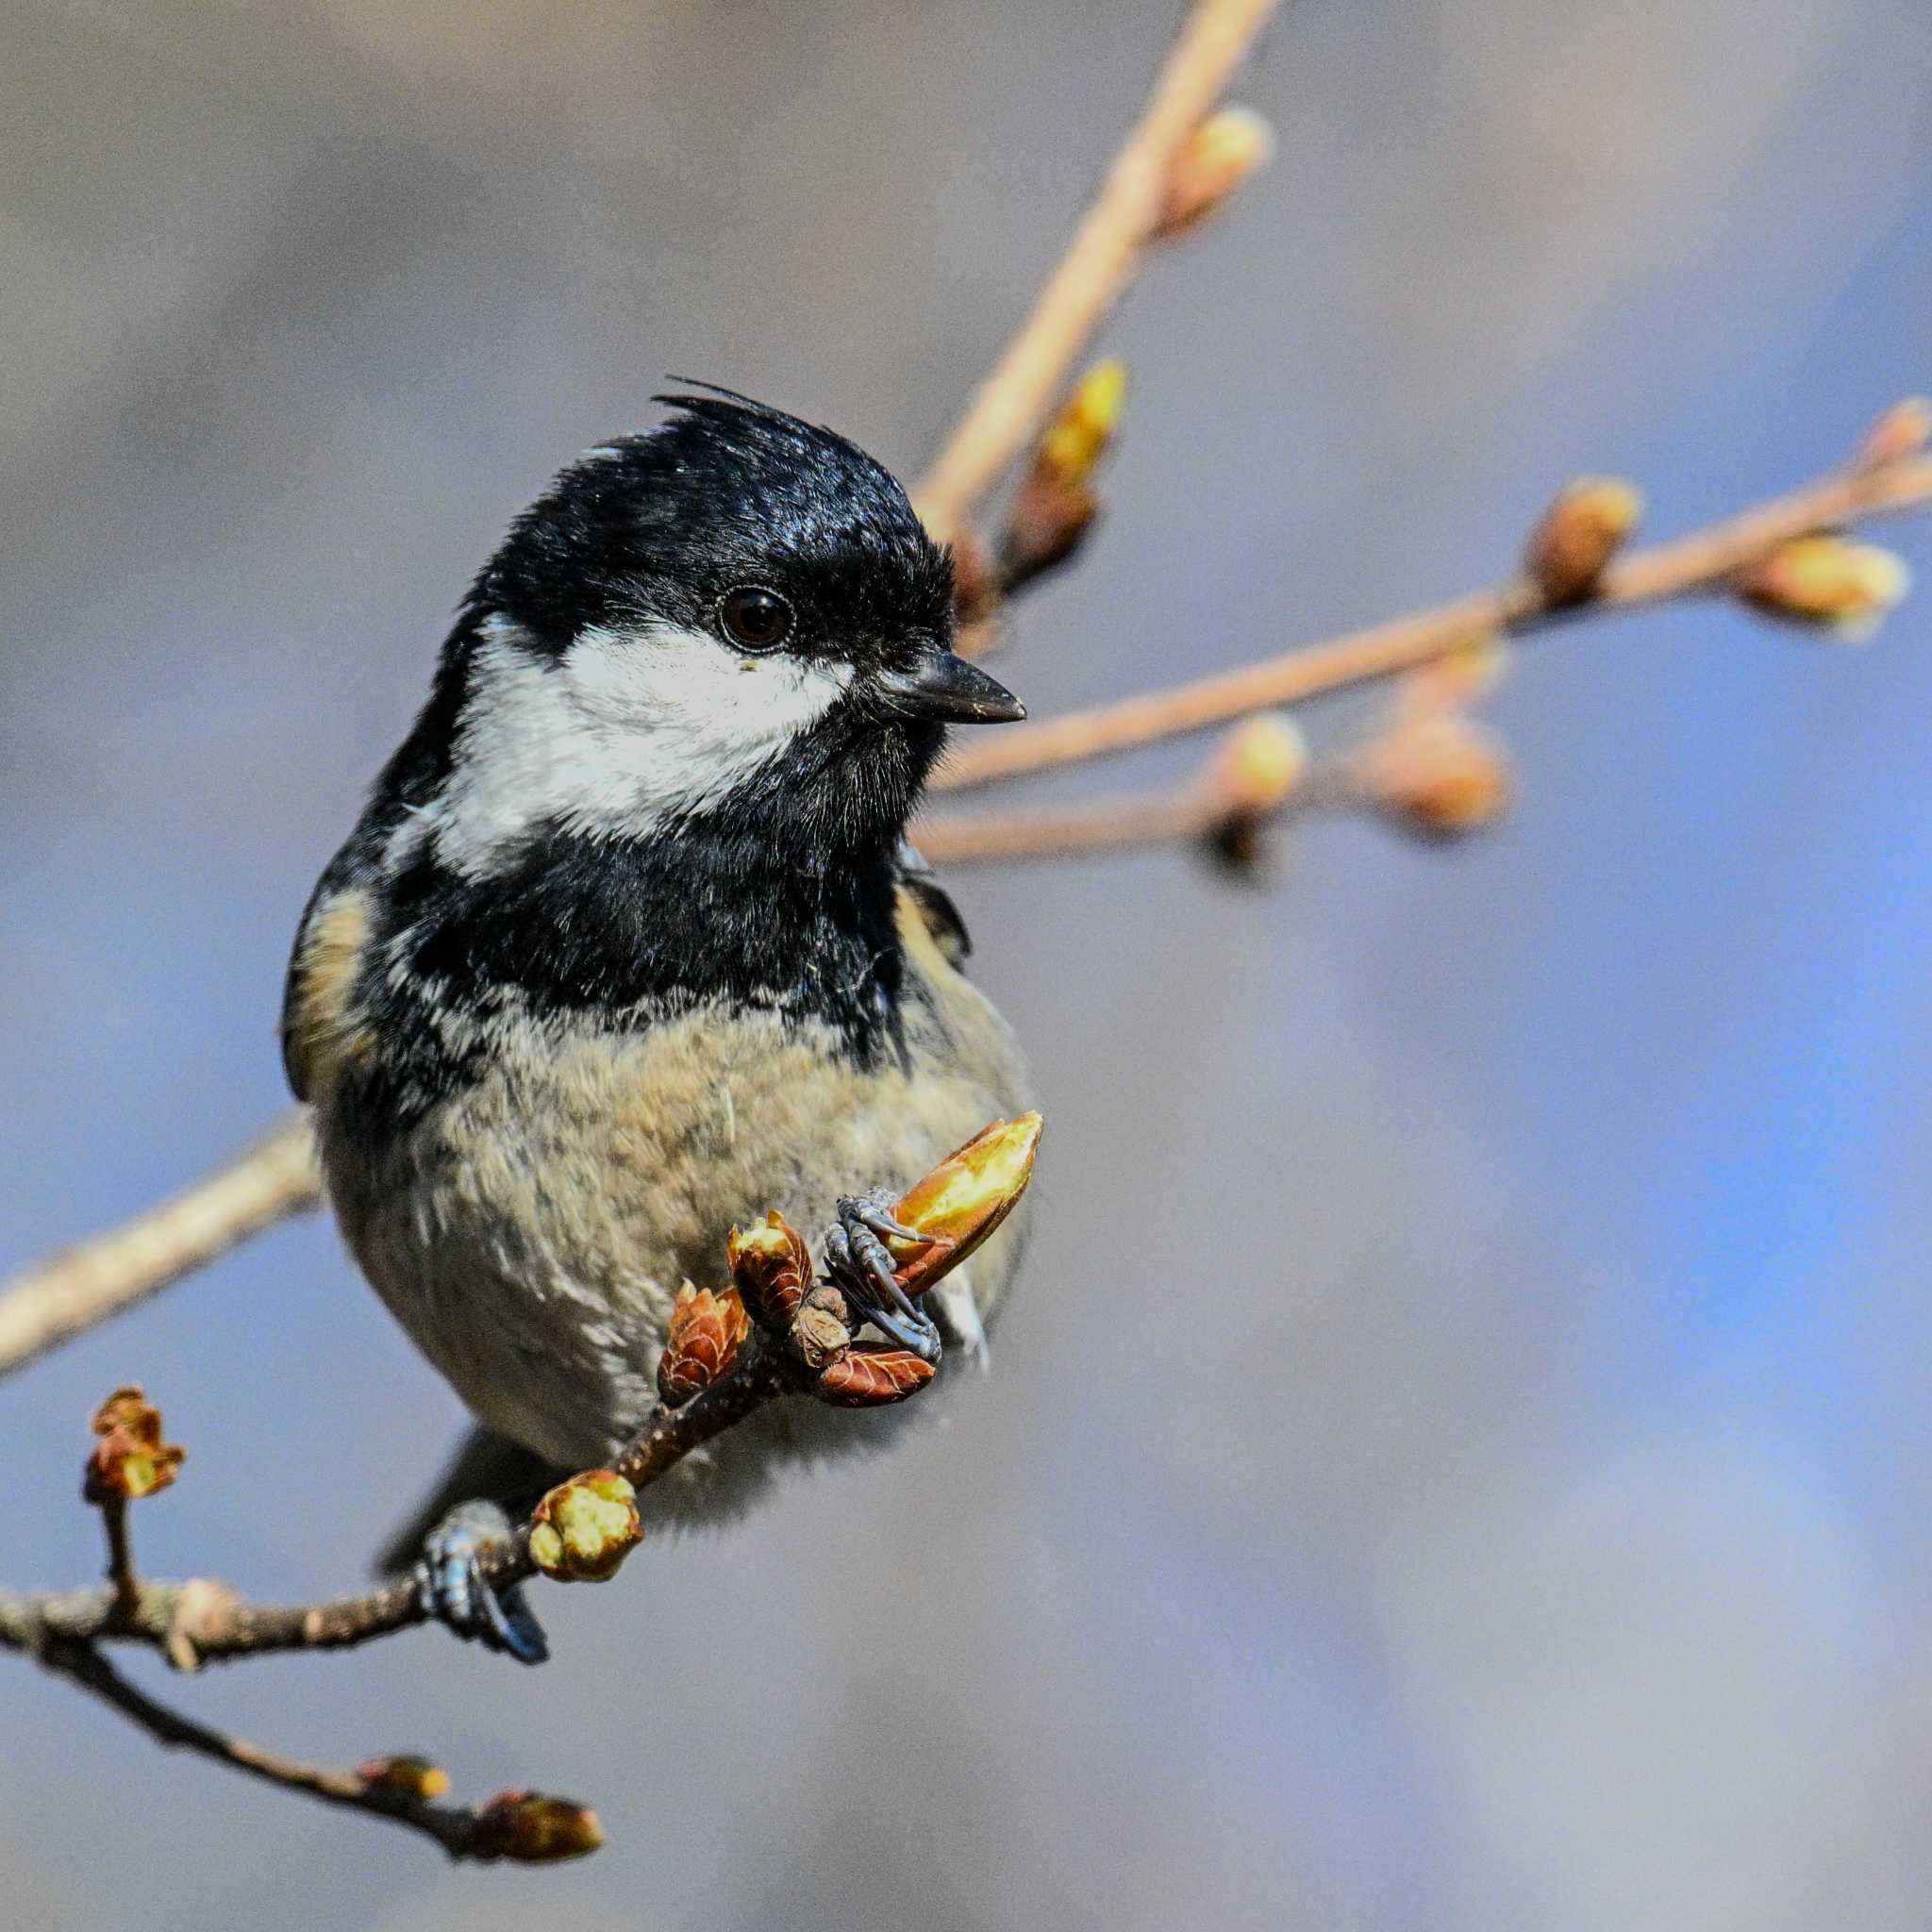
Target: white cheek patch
(630,728)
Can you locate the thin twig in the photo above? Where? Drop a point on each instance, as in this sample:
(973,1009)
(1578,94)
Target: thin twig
(82,1285)
(458,1830)
(1011,404)
(121,1581)
(202,1620)
(1189,814)
(1706,560)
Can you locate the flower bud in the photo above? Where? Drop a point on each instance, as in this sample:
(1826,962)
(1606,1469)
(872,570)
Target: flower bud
(1072,446)
(1900,433)
(1258,766)
(963,1199)
(1578,535)
(868,1377)
(1055,505)
(536,1830)
(130,1460)
(770,1267)
(415,1776)
(1827,581)
(1442,776)
(975,583)
(1228,149)
(584,1528)
(701,1348)
(1046,522)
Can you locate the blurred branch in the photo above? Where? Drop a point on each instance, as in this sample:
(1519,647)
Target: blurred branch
(82,1285)
(712,1375)
(1714,560)
(1103,258)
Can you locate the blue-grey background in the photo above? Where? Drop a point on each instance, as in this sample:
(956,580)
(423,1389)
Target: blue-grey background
(1460,1458)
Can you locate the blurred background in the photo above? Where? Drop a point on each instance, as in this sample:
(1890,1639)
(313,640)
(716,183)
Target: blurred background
(1460,1458)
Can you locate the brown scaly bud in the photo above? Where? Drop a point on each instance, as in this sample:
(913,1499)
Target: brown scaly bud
(1230,148)
(584,1528)
(867,1377)
(1900,433)
(770,1267)
(536,1830)
(975,583)
(823,1329)
(1578,535)
(702,1348)
(1828,583)
(130,1460)
(1046,522)
(1055,505)
(963,1199)
(416,1778)
(1442,776)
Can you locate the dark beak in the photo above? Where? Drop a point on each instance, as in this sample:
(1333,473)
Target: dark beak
(949,691)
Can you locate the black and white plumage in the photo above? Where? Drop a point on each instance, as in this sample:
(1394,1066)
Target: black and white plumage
(625,948)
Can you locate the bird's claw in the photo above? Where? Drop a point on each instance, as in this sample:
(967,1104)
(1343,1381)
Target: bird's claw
(451,1580)
(857,1259)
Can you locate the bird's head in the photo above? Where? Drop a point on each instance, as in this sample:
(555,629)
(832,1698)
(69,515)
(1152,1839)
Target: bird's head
(734,612)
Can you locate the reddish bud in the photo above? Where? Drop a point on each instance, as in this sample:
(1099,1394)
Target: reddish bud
(702,1348)
(866,1376)
(770,1267)
(536,1830)
(130,1460)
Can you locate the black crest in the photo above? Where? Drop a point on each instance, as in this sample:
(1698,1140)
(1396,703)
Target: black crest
(727,491)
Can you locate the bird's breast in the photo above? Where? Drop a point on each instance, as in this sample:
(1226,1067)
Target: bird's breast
(532,1229)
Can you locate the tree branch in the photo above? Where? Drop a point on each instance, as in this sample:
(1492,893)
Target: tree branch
(462,1832)
(1103,258)
(711,1377)
(1707,561)
(82,1285)
(202,1620)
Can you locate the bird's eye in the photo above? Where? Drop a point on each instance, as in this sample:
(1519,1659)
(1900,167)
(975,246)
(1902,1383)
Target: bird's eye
(754,618)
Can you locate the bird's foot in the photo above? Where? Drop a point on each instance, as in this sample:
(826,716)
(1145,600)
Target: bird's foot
(451,1579)
(857,1259)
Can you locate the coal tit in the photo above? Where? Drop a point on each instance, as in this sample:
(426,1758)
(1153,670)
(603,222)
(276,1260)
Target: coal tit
(627,947)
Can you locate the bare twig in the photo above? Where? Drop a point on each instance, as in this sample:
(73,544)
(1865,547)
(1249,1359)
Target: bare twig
(201,1621)
(1706,560)
(82,1285)
(123,1584)
(1013,402)
(461,1832)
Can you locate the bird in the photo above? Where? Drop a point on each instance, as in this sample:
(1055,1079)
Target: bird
(629,946)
